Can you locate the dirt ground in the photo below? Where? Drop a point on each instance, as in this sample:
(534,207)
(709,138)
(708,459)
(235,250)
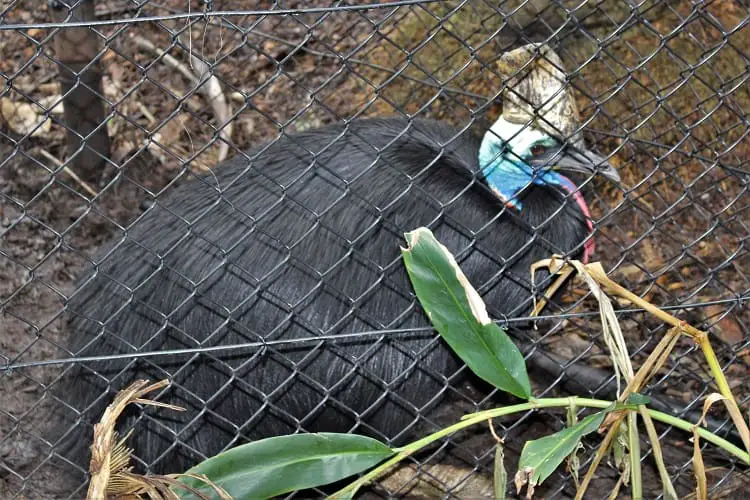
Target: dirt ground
(675,232)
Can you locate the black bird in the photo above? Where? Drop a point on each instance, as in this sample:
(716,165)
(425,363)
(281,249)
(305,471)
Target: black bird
(291,250)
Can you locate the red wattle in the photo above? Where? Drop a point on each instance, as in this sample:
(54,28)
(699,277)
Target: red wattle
(589,246)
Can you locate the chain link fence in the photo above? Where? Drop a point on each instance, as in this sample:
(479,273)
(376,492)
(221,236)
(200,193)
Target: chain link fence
(108,106)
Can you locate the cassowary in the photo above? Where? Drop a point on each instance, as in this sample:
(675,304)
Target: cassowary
(290,253)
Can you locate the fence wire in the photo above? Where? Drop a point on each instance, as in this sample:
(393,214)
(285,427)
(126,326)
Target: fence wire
(108,108)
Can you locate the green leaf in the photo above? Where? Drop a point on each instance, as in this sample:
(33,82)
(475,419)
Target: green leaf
(459,315)
(541,457)
(633,401)
(637,399)
(500,476)
(278,465)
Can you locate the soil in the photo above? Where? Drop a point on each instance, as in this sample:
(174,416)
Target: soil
(675,235)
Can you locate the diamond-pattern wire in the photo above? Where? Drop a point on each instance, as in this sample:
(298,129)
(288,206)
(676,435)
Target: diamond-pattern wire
(441,64)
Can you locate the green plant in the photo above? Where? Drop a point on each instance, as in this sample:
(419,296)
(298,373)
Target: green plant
(282,464)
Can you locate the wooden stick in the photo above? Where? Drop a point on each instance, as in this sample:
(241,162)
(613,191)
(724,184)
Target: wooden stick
(68,171)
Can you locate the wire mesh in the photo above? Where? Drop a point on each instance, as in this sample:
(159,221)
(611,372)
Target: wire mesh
(662,87)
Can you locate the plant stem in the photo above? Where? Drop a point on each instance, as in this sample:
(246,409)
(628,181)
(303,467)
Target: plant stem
(636,482)
(533,404)
(668,488)
(699,336)
(600,453)
(713,364)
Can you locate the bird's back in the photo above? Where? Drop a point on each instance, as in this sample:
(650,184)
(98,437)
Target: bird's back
(296,241)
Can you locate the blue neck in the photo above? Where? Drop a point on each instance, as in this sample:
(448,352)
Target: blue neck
(508,175)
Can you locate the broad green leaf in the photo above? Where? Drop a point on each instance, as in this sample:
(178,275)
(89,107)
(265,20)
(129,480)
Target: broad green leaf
(278,465)
(459,315)
(541,457)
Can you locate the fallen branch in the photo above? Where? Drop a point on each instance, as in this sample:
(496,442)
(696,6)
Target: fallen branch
(68,171)
(210,88)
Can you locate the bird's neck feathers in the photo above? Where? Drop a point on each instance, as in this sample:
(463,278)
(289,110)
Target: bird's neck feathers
(508,175)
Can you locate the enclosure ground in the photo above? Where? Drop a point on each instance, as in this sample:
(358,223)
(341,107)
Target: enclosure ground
(676,232)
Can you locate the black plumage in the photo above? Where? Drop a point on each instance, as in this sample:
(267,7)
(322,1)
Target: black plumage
(296,240)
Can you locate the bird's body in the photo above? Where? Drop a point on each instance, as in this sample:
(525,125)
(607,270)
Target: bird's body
(301,241)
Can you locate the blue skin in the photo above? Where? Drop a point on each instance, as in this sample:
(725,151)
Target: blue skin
(506,171)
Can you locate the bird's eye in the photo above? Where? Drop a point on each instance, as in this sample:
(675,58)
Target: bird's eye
(538,150)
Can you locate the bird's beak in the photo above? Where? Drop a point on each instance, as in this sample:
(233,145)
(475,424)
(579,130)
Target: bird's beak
(577,160)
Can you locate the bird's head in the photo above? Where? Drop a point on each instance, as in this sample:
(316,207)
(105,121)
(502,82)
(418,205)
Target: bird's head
(514,157)
(522,148)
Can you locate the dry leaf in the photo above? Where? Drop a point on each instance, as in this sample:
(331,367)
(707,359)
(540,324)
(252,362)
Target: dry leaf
(699,469)
(726,328)
(734,413)
(523,477)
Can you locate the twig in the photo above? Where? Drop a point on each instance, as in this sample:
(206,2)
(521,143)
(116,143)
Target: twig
(597,280)
(600,453)
(699,336)
(214,94)
(596,271)
(564,274)
(68,171)
(494,434)
(210,88)
(668,488)
(149,116)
